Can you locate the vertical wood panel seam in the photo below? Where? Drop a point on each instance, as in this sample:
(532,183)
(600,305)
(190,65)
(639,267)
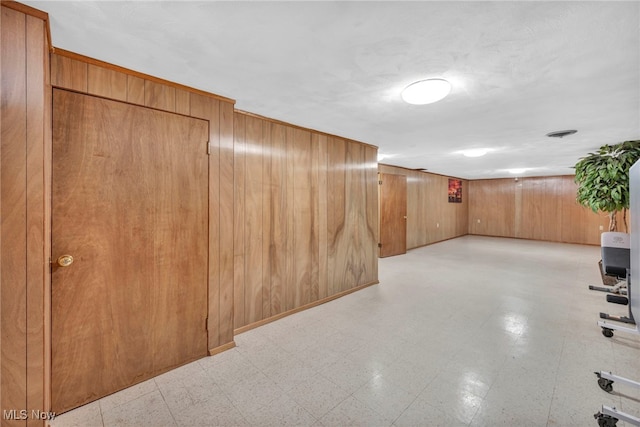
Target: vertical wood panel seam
(244,224)
(1,129)
(26,216)
(219,310)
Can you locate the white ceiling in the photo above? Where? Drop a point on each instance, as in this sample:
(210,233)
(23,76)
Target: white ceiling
(519,70)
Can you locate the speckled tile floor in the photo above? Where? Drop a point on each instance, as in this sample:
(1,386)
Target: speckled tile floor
(474,331)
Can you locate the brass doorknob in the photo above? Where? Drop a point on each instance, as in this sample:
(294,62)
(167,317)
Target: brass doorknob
(65,260)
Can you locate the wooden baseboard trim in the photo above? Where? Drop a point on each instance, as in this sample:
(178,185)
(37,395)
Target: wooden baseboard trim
(220,349)
(302,308)
(437,241)
(534,240)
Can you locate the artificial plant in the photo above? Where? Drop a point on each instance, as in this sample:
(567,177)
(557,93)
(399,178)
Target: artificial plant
(603,180)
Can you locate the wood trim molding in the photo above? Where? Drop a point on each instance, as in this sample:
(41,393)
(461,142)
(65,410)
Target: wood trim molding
(106,65)
(467,179)
(531,240)
(280,122)
(521,178)
(422,171)
(440,241)
(302,308)
(37,13)
(220,349)
(27,10)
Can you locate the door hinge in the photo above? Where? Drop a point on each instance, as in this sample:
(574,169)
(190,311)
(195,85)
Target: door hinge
(379,245)
(206,324)
(380,182)
(208,148)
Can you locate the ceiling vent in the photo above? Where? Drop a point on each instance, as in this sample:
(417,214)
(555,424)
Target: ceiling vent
(561,133)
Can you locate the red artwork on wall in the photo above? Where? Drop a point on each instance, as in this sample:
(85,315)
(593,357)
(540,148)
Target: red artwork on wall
(455,190)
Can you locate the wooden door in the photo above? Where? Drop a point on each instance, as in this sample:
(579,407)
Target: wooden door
(393,214)
(130,205)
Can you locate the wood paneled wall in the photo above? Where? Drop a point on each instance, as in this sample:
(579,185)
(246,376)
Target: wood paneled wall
(430,216)
(25,144)
(71,71)
(538,208)
(306,218)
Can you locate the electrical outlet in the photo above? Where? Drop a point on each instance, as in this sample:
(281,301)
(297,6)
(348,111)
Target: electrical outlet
(601,228)
(478,221)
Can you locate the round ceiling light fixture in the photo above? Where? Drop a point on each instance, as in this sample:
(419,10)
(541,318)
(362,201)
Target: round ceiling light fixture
(426,91)
(475,152)
(561,133)
(517,171)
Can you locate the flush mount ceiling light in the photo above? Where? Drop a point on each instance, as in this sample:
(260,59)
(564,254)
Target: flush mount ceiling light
(475,152)
(426,91)
(561,133)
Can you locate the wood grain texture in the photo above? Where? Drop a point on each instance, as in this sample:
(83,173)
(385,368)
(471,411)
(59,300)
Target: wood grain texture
(290,290)
(492,207)
(29,11)
(69,73)
(183,104)
(208,109)
(303,207)
(211,112)
(107,83)
(47,170)
(538,208)
(142,76)
(347,225)
(393,214)
(368,217)
(226,307)
(336,211)
(430,216)
(286,179)
(135,90)
(314,189)
(138,286)
(13,203)
(246,328)
(24,184)
(36,255)
(2,85)
(579,224)
(265,194)
(322,164)
(239,254)
(253,280)
(157,95)
(372,211)
(278,218)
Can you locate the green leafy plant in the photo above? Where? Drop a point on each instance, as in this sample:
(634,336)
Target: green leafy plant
(603,180)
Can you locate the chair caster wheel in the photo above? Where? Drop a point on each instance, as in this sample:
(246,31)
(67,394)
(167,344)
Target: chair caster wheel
(605,384)
(607,332)
(605,420)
